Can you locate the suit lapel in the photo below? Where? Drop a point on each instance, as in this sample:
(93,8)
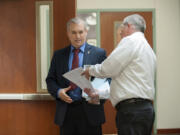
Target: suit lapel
(87,53)
(66,58)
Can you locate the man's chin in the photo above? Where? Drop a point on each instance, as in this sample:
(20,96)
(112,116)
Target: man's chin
(78,45)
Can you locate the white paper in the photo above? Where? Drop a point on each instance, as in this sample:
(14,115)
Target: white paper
(76,77)
(101,86)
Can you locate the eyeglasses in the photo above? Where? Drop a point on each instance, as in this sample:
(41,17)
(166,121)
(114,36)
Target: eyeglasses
(124,24)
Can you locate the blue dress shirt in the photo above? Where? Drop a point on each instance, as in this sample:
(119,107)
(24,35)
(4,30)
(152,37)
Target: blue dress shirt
(76,93)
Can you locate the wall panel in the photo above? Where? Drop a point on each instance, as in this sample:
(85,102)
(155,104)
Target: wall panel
(18,42)
(18,66)
(17,46)
(27,118)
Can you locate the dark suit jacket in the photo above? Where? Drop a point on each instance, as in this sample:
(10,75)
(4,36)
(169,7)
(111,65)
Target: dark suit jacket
(55,80)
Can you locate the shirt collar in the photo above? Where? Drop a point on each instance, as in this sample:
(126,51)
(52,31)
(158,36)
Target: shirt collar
(82,48)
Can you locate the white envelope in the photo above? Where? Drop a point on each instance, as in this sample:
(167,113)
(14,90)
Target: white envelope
(101,86)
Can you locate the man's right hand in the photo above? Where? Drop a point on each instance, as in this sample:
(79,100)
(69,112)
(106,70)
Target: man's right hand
(86,74)
(64,96)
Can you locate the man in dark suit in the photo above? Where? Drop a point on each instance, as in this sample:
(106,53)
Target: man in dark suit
(74,115)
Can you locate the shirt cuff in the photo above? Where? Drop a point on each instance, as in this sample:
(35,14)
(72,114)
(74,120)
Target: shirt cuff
(93,71)
(58,93)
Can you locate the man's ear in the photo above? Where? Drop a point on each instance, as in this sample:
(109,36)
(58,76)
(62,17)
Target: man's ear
(131,28)
(129,25)
(86,32)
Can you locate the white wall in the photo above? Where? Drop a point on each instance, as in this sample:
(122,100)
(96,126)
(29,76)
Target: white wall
(168,71)
(167,49)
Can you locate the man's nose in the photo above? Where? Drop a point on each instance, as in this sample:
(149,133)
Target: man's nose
(77,35)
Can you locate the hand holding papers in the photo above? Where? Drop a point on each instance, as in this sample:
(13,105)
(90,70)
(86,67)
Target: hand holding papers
(91,96)
(101,86)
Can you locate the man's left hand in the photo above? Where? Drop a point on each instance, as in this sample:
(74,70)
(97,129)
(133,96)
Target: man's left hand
(93,95)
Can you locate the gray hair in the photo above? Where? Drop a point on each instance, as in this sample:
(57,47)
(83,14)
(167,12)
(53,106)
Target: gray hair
(76,20)
(137,20)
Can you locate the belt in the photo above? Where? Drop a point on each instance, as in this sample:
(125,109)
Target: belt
(131,101)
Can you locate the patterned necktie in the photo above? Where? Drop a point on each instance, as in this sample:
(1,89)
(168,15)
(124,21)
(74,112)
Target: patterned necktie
(75,64)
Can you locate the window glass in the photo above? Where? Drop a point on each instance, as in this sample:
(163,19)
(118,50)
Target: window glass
(44,43)
(91,20)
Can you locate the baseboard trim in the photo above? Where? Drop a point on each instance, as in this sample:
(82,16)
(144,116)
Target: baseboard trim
(168,131)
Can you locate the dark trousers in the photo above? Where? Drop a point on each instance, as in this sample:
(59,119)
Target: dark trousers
(135,118)
(76,123)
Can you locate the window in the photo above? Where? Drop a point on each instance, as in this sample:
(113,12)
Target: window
(44,41)
(91,20)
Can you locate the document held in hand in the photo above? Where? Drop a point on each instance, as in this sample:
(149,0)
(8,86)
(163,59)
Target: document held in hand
(99,85)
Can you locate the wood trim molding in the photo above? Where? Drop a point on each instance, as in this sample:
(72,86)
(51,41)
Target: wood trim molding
(168,131)
(26,96)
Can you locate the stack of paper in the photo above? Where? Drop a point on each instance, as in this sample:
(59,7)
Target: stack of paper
(101,86)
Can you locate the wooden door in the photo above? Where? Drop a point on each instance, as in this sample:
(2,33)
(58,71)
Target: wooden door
(107,20)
